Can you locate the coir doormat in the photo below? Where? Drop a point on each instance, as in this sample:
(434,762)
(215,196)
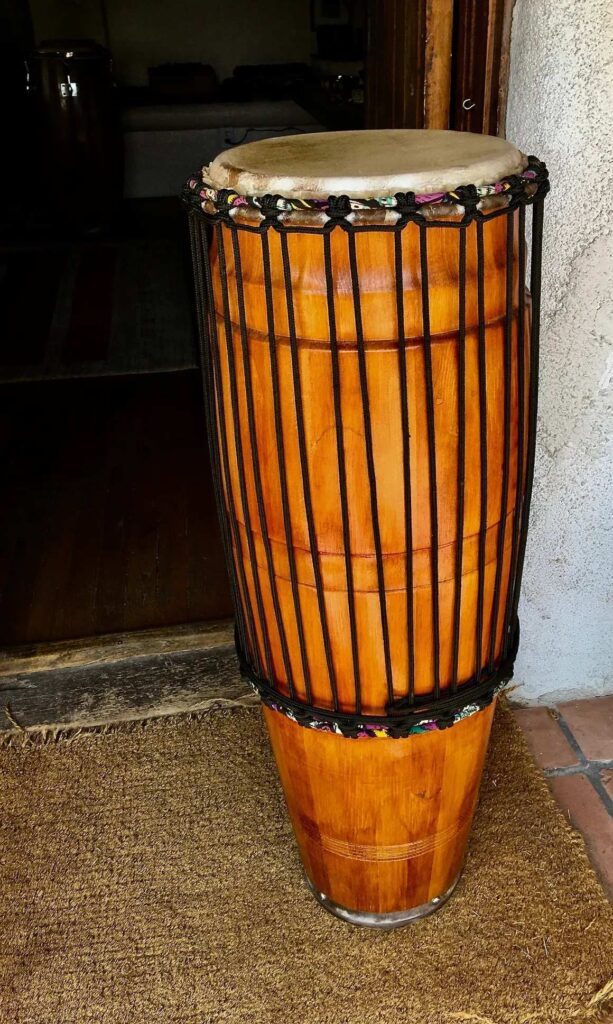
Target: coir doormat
(149,874)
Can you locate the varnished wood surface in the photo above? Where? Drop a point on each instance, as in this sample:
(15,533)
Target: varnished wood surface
(108,520)
(381,824)
(375,260)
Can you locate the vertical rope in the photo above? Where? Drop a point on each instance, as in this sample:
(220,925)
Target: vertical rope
(207,334)
(482,445)
(535,293)
(255,463)
(509,623)
(427,347)
(508,324)
(370,464)
(457,609)
(226,349)
(238,442)
(304,468)
(287,522)
(342,473)
(406,457)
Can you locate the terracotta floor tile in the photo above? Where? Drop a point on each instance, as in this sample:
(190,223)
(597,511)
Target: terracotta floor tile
(591,722)
(545,738)
(606,777)
(586,811)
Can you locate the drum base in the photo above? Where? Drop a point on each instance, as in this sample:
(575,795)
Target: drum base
(397,919)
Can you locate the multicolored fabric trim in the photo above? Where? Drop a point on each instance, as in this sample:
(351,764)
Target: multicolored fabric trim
(402,719)
(200,193)
(366,730)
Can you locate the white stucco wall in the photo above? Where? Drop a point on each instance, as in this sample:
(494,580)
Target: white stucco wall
(561,109)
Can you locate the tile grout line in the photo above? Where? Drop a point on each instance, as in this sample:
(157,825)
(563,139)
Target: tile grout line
(590,769)
(577,769)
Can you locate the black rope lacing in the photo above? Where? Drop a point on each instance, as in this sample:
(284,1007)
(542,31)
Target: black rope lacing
(444,704)
(517,191)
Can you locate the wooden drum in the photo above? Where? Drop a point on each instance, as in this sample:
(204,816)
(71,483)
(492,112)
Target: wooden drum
(370,353)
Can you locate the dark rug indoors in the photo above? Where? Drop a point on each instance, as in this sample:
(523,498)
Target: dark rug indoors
(95,308)
(149,874)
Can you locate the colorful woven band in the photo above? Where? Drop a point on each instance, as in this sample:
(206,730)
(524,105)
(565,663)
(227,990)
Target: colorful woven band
(199,193)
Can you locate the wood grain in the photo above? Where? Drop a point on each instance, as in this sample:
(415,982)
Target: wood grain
(85,696)
(378,310)
(381,824)
(115,647)
(481,49)
(395,79)
(425,57)
(439,41)
(504,68)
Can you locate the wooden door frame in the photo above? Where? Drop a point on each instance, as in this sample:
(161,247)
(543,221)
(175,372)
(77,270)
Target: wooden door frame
(480,66)
(395,63)
(424,60)
(438,62)
(429,61)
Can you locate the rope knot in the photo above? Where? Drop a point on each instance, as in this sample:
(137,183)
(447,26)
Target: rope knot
(468,197)
(540,174)
(270,207)
(222,197)
(339,207)
(405,203)
(517,185)
(223,204)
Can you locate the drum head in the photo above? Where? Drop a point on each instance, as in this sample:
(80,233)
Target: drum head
(365,163)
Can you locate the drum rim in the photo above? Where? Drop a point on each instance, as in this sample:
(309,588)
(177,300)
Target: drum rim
(200,195)
(369,162)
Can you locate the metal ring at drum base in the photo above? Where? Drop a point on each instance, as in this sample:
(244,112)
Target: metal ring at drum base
(384,922)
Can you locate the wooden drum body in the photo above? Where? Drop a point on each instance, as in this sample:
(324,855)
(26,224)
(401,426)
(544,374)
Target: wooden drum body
(371,371)
(381,826)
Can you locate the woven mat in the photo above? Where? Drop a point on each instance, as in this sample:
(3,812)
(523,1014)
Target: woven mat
(148,874)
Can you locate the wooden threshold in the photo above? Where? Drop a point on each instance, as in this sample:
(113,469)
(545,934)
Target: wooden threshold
(123,677)
(114,647)
(124,691)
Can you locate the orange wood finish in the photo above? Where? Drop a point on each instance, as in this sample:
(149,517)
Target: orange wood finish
(376,269)
(382,824)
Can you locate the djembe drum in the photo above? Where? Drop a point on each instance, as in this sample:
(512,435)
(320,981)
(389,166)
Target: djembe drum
(370,355)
